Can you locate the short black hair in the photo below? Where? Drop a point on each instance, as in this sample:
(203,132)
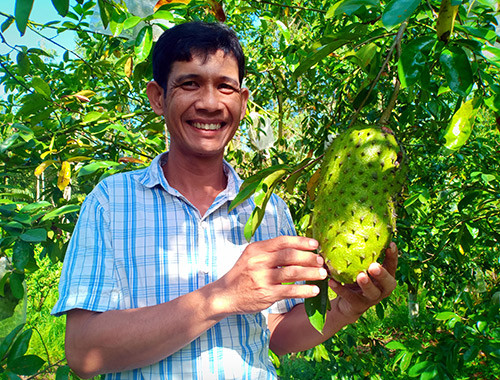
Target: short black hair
(181,41)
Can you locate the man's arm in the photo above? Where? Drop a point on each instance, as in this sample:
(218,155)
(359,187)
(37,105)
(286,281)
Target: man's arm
(118,340)
(292,331)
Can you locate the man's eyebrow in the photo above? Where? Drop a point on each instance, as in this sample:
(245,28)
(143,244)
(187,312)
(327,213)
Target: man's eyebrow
(187,77)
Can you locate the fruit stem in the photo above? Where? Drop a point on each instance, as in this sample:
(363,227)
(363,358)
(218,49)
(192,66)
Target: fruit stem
(397,42)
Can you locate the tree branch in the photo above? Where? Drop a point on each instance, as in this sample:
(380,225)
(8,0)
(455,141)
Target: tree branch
(397,41)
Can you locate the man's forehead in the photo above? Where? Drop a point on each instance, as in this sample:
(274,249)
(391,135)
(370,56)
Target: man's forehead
(202,58)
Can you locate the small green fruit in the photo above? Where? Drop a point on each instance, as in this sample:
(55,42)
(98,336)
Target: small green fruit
(354,215)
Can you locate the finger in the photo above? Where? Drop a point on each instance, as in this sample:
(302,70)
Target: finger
(391,259)
(384,280)
(368,287)
(296,291)
(286,242)
(295,273)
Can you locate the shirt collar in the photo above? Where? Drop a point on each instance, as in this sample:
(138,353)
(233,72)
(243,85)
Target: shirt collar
(153,176)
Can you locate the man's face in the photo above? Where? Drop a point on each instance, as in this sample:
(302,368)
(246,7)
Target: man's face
(204,104)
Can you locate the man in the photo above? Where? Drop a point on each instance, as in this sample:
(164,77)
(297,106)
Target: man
(158,281)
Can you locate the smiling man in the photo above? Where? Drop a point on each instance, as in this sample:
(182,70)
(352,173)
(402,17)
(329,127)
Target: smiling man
(158,280)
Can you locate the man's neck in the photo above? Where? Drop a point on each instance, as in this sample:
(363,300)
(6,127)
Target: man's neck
(199,179)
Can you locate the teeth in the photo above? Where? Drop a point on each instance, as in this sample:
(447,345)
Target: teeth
(210,127)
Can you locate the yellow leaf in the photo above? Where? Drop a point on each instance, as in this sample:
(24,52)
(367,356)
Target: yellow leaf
(79,159)
(312,184)
(86,93)
(161,3)
(129,64)
(64,175)
(45,154)
(217,10)
(41,168)
(130,160)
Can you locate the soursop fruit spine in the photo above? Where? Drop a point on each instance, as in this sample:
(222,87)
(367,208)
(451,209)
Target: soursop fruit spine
(354,215)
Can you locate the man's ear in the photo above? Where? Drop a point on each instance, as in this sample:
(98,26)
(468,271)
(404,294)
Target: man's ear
(244,99)
(155,95)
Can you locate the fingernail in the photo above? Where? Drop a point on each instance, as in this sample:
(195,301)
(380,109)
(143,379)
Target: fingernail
(322,272)
(319,259)
(313,243)
(375,269)
(315,290)
(364,280)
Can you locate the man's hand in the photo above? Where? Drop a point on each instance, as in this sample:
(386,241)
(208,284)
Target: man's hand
(353,300)
(261,275)
(292,331)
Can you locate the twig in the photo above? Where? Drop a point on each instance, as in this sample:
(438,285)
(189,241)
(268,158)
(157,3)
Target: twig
(62,47)
(288,6)
(279,97)
(23,85)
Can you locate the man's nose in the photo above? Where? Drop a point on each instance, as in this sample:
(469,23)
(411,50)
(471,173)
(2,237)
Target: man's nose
(209,99)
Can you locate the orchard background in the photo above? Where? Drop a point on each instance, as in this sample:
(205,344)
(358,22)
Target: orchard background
(69,119)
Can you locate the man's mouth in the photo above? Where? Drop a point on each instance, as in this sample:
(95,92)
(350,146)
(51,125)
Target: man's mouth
(208,126)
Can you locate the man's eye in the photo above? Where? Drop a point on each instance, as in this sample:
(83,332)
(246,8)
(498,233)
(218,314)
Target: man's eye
(189,85)
(227,88)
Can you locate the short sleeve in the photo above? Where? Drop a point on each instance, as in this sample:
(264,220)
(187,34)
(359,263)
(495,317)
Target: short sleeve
(87,280)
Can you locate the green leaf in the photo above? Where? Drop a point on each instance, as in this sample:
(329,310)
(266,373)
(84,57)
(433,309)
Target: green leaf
(62,6)
(379,309)
(91,117)
(34,207)
(491,54)
(35,235)
(26,365)
(17,285)
(21,345)
(405,360)
(244,193)
(66,209)
(131,22)
(13,228)
(105,12)
(418,368)
(256,182)
(317,306)
(318,55)
(7,143)
(7,341)
(445,315)
(32,104)
(116,23)
(162,15)
(398,11)
(253,223)
(395,345)
(143,43)
(460,128)
(22,252)
(413,60)
(41,87)
(62,373)
(23,63)
(94,166)
(348,7)
(471,353)
(7,23)
(457,69)
(22,14)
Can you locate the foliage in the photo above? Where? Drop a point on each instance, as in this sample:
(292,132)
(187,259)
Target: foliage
(427,71)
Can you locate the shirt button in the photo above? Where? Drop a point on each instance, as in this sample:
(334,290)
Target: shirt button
(204,224)
(204,269)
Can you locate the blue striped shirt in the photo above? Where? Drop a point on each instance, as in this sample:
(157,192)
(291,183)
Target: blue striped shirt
(139,242)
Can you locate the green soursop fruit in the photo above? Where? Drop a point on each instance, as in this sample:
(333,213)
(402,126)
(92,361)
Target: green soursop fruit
(354,214)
